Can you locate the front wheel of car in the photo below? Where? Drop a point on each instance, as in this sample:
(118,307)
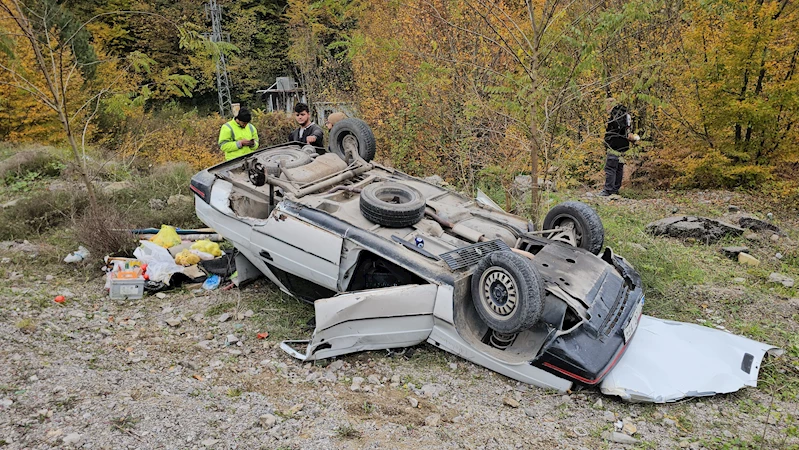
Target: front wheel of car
(507,292)
(582,220)
(392,205)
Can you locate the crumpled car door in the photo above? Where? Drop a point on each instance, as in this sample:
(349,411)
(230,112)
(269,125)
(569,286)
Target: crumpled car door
(394,317)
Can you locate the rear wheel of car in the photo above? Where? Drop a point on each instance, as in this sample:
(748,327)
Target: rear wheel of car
(352,135)
(507,292)
(392,205)
(585,222)
(288,156)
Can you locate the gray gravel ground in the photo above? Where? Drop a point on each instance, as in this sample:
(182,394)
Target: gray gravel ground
(97,373)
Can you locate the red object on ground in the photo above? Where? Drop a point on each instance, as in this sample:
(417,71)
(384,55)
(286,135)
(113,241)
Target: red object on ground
(263,335)
(59,299)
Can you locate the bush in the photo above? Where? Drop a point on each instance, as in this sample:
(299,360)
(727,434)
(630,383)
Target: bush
(41,213)
(39,161)
(103,231)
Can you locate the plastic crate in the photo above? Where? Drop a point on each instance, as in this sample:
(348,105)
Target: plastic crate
(126,289)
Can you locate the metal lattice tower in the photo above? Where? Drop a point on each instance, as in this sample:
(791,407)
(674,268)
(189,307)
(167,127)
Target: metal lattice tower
(214,12)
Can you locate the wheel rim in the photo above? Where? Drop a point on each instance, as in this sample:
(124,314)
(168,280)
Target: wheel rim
(569,223)
(392,196)
(498,292)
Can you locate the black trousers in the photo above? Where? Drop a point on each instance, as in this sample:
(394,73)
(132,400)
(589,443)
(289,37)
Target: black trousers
(614,172)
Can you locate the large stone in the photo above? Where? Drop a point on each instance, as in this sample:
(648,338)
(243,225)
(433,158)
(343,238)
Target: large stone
(619,438)
(699,228)
(781,279)
(746,258)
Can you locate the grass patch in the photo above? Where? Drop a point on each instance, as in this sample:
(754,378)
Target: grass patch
(219,309)
(348,432)
(26,326)
(124,423)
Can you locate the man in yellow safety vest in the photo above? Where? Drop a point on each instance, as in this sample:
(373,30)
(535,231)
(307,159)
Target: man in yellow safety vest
(238,137)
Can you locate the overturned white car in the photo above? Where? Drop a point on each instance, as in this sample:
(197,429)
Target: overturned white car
(391,261)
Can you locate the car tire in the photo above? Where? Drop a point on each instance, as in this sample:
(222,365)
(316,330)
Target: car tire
(507,292)
(355,132)
(290,157)
(392,205)
(588,229)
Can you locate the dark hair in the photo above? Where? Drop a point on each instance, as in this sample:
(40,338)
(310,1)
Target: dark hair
(244,115)
(300,107)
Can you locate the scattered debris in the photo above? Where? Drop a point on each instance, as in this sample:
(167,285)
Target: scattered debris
(77,256)
(619,438)
(512,402)
(747,259)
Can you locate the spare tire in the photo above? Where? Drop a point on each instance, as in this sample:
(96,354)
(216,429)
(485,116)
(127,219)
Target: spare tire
(290,158)
(392,205)
(507,292)
(588,230)
(353,134)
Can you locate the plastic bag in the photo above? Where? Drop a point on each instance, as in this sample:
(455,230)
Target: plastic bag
(167,237)
(208,247)
(77,256)
(212,282)
(186,258)
(160,265)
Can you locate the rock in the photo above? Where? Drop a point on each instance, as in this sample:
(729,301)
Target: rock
(106,332)
(49,278)
(778,256)
(529,412)
(395,378)
(295,409)
(774,238)
(374,379)
(781,279)
(160,295)
(224,317)
(732,252)
(209,442)
(156,204)
(72,438)
(757,225)
(267,421)
(356,384)
(751,237)
(769,216)
(336,365)
(174,322)
(414,403)
(598,404)
(231,339)
(699,228)
(178,199)
(512,402)
(609,416)
(629,428)
(619,438)
(116,186)
(249,313)
(431,390)
(733,208)
(669,422)
(657,415)
(6,402)
(432,420)
(453,366)
(727,434)
(747,259)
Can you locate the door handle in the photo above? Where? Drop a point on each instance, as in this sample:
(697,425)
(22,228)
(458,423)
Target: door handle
(265,254)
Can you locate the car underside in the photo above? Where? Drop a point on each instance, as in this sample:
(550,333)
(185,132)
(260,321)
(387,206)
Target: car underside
(389,260)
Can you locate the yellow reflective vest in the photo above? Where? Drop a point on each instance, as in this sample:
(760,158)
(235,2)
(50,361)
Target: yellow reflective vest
(231,133)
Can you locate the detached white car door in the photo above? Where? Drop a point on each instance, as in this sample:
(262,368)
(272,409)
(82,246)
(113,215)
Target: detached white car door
(399,316)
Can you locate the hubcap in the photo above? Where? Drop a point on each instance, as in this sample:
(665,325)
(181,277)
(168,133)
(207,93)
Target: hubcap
(499,292)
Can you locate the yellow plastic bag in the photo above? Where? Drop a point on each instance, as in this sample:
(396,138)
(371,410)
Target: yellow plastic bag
(186,258)
(208,247)
(167,237)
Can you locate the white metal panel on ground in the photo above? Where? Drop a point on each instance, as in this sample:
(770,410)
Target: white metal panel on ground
(376,319)
(667,361)
(446,337)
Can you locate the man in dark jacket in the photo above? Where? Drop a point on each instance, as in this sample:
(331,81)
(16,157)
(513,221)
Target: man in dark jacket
(617,141)
(308,132)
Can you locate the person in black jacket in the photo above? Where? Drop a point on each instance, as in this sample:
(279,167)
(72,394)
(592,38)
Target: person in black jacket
(308,132)
(617,141)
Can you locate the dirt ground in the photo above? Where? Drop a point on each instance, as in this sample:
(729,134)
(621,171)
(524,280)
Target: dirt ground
(98,373)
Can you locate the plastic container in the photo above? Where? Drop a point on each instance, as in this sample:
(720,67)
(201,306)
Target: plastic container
(126,289)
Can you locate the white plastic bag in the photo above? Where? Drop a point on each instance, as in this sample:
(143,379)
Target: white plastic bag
(77,256)
(160,264)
